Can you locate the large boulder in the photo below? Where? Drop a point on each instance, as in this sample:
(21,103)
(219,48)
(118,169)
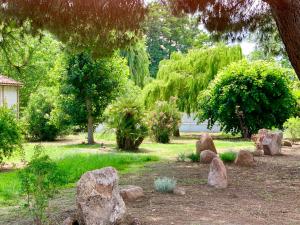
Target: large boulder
(268,141)
(205,143)
(244,158)
(131,193)
(217,176)
(272,143)
(98,199)
(207,156)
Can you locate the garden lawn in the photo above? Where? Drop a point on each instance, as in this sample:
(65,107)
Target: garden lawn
(74,166)
(76,158)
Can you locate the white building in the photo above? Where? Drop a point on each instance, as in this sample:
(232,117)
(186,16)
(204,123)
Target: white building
(9,93)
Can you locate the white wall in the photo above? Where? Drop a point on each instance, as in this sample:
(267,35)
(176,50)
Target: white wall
(10,95)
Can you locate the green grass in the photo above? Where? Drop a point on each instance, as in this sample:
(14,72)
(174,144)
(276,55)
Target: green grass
(77,158)
(74,166)
(228,157)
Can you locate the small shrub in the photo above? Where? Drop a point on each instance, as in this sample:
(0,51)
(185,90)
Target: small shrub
(164,120)
(165,185)
(194,157)
(292,128)
(126,115)
(10,133)
(228,157)
(181,157)
(38,116)
(40,181)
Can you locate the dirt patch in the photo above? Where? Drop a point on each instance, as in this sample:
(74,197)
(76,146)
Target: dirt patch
(268,193)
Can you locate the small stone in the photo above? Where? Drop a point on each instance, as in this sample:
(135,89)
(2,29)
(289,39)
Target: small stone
(205,143)
(131,193)
(244,158)
(179,191)
(207,156)
(287,143)
(217,176)
(258,153)
(136,221)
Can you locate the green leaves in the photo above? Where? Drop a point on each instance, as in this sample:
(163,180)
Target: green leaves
(11,137)
(246,97)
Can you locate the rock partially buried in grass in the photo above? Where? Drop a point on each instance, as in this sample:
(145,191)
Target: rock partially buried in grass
(217,176)
(206,143)
(131,193)
(98,199)
(244,158)
(207,156)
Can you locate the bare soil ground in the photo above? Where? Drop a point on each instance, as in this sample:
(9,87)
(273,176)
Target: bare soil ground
(268,193)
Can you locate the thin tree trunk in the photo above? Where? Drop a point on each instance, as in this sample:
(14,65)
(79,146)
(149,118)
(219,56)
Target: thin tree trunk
(90,124)
(287,16)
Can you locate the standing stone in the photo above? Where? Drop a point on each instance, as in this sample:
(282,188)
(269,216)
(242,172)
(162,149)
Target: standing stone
(207,156)
(258,138)
(217,176)
(131,193)
(205,143)
(244,158)
(98,199)
(272,143)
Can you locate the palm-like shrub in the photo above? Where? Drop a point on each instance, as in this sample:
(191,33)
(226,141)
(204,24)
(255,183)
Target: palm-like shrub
(126,116)
(164,120)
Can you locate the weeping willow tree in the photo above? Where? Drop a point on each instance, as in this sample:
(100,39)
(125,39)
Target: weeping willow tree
(138,62)
(185,75)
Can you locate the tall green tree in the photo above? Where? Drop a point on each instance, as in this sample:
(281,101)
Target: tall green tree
(167,33)
(246,97)
(89,86)
(185,75)
(138,62)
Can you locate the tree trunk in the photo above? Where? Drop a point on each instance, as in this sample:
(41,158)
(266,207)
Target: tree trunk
(90,124)
(287,16)
(176,133)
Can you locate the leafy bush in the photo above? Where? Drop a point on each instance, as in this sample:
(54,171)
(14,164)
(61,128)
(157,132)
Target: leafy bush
(10,133)
(292,128)
(228,157)
(39,181)
(246,97)
(37,116)
(164,120)
(127,115)
(194,157)
(165,185)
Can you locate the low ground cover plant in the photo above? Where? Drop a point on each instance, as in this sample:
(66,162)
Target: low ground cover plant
(194,157)
(228,157)
(165,185)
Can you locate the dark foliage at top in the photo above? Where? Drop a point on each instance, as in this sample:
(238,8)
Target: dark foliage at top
(101,25)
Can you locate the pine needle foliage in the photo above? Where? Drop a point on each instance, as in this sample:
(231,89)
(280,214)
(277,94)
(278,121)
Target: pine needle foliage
(185,75)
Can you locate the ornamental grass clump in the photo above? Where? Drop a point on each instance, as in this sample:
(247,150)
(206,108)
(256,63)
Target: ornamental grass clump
(164,120)
(165,185)
(228,157)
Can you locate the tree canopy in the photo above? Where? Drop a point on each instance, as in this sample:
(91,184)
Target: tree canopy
(236,17)
(185,75)
(101,25)
(246,97)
